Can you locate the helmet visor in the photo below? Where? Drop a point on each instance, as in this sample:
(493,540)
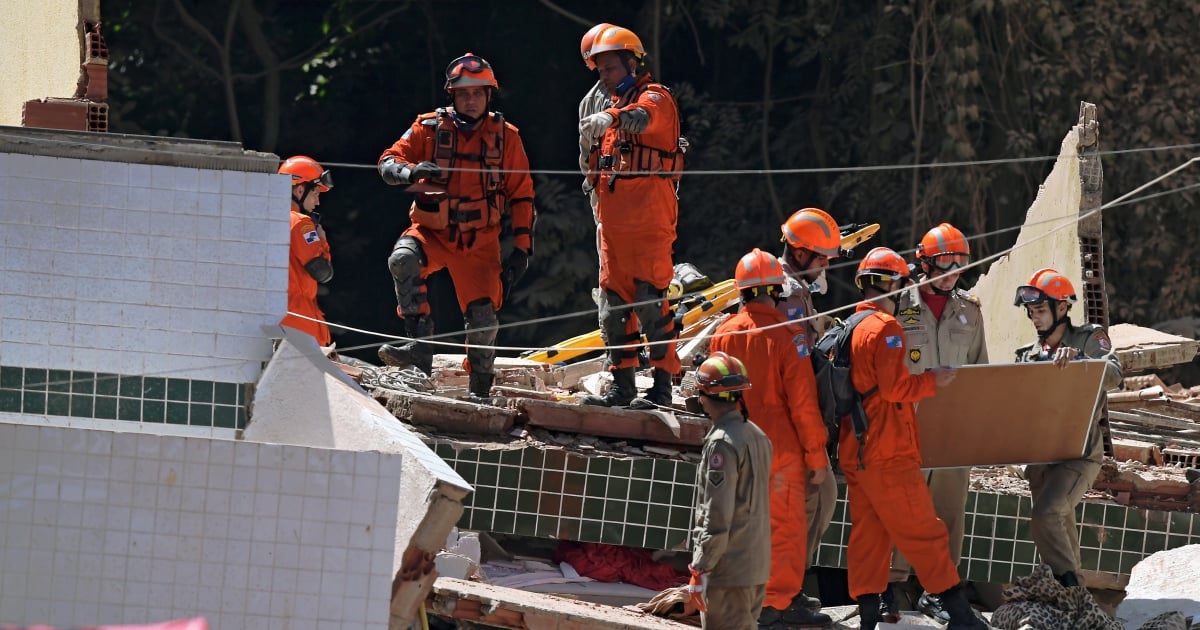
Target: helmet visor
(325,181)
(1027,296)
(467,63)
(949,262)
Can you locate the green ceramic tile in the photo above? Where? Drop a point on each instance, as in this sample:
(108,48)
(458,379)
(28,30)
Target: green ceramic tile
(130,386)
(225,393)
(1109,561)
(59,381)
(527,478)
(839,512)
(58,404)
(1128,560)
(1175,542)
(155,388)
(483,497)
(129,409)
(678,539)
(981,548)
(504,522)
(1023,526)
(634,536)
(1112,539)
(982,525)
(10,401)
(577,463)
(832,535)
(481,520)
(1024,552)
(574,483)
(568,528)
(511,457)
(1181,523)
(177,413)
(154,411)
(443,450)
(35,379)
(526,525)
(464,521)
(532,458)
(549,504)
(978,571)
(1024,508)
(1157,520)
(506,499)
(239,416)
(178,389)
(682,495)
(202,392)
(611,534)
(467,470)
(658,514)
(986,503)
(828,556)
(681,518)
(1089,558)
(106,384)
(489,474)
(1134,541)
(547,527)
(1114,516)
(636,513)
(621,468)
(596,486)
(589,531)
(33,402)
(571,506)
(656,538)
(599,466)
(527,502)
(200,415)
(1008,504)
(643,469)
(685,472)
(639,490)
(660,493)
(1092,513)
(664,470)
(593,509)
(1155,542)
(1006,528)
(509,477)
(614,511)
(618,488)
(222,416)
(551,481)
(83,406)
(12,377)
(106,408)
(555,459)
(1002,550)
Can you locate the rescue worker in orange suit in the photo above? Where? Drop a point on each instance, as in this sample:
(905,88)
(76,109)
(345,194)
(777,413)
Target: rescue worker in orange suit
(309,259)
(731,550)
(811,239)
(634,164)
(943,325)
(467,166)
(783,403)
(885,488)
(1057,488)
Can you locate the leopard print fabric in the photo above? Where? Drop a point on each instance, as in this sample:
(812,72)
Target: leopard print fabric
(1038,602)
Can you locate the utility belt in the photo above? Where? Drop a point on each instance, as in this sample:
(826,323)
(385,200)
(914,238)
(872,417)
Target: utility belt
(633,160)
(461,215)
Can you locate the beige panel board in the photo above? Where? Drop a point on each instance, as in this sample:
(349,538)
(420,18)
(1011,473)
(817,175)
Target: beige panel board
(1017,413)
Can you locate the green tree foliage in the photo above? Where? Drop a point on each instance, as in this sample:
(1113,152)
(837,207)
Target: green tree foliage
(818,88)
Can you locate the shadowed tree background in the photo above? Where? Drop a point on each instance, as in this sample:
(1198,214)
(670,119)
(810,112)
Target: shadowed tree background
(814,85)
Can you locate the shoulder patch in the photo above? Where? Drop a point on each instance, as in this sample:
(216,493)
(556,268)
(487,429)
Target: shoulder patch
(795,312)
(407,133)
(1103,341)
(912,310)
(914,355)
(716,478)
(311,237)
(894,341)
(972,298)
(716,461)
(654,96)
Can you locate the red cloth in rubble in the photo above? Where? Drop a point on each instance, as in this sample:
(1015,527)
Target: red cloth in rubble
(612,563)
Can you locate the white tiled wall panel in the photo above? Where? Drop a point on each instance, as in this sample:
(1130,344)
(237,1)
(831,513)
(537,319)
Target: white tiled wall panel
(168,269)
(98,527)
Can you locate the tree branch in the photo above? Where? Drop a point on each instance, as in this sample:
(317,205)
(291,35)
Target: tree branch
(567,14)
(183,52)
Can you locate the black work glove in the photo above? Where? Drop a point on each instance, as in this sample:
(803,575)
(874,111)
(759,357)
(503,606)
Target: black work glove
(424,170)
(515,267)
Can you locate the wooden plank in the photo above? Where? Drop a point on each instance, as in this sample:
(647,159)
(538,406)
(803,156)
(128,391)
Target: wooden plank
(1017,413)
(612,422)
(1146,418)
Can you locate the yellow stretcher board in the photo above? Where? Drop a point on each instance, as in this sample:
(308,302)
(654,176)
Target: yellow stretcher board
(707,303)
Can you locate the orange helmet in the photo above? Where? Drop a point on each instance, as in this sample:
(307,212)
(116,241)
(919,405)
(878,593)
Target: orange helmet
(880,263)
(944,247)
(758,269)
(304,169)
(470,70)
(1046,284)
(589,38)
(723,377)
(616,38)
(813,229)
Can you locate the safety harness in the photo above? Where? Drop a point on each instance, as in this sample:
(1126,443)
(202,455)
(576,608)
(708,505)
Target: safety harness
(635,159)
(482,205)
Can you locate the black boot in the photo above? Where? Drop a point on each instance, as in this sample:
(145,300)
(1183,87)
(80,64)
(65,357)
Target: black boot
(794,616)
(811,603)
(480,388)
(659,394)
(1068,579)
(931,606)
(870,611)
(413,353)
(962,616)
(889,608)
(622,392)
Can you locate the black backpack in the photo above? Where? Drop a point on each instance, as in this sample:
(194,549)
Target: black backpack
(835,390)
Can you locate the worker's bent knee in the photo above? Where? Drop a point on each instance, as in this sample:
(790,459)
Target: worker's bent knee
(407,258)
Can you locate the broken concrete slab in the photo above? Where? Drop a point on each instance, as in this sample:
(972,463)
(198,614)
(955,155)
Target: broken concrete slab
(613,422)
(303,399)
(1141,348)
(447,414)
(1164,582)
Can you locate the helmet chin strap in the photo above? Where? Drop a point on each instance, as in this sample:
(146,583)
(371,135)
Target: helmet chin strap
(1058,321)
(299,201)
(927,269)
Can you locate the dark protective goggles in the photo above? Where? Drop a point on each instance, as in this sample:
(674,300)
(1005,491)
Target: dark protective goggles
(1028,295)
(949,262)
(326,179)
(467,63)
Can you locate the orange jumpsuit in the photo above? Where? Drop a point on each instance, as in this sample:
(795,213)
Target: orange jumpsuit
(782,401)
(306,245)
(636,213)
(465,237)
(886,491)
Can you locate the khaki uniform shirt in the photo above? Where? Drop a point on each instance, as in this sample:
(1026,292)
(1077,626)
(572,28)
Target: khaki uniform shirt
(595,101)
(797,304)
(732,536)
(955,339)
(1093,342)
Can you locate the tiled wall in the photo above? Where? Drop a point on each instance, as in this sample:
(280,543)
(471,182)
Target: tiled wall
(104,527)
(646,502)
(138,269)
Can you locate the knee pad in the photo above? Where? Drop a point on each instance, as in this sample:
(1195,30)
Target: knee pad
(655,317)
(405,263)
(480,321)
(614,322)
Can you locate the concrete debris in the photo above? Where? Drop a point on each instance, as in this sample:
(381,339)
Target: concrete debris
(1166,582)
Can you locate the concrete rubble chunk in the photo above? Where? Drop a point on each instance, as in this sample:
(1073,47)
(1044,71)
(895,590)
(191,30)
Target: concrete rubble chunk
(1164,582)
(618,423)
(448,414)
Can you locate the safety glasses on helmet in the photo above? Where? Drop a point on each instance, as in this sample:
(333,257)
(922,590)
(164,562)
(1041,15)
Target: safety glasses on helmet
(326,179)
(949,262)
(1027,296)
(467,63)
